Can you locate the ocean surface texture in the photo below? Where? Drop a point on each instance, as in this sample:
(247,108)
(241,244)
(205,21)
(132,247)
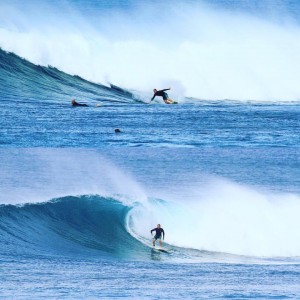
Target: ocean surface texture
(220,170)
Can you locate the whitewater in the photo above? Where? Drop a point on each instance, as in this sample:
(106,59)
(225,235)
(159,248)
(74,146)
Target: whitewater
(219,171)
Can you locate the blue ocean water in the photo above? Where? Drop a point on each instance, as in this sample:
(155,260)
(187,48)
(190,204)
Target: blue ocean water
(219,170)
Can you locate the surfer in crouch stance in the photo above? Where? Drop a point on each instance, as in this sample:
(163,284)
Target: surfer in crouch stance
(163,94)
(158,233)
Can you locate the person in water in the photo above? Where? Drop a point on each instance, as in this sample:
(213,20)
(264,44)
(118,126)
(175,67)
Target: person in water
(158,233)
(163,94)
(74,103)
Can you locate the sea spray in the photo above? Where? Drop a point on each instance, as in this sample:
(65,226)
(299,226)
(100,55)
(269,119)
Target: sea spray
(228,218)
(35,175)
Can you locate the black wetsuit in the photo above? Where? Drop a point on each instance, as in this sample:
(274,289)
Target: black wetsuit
(78,104)
(161,93)
(158,232)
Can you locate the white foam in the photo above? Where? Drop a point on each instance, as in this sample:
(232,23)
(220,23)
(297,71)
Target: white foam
(229,218)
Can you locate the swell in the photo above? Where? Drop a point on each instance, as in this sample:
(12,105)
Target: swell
(23,80)
(88,225)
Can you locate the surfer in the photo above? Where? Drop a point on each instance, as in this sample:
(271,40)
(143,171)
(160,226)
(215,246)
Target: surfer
(158,233)
(163,94)
(75,103)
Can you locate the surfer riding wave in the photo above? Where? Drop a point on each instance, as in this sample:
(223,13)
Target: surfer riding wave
(163,94)
(159,232)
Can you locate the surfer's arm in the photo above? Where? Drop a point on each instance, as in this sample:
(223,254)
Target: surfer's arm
(163,232)
(165,90)
(152,230)
(151,100)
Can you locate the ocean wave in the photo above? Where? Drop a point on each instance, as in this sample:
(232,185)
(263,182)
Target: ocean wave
(82,225)
(24,81)
(201,51)
(98,227)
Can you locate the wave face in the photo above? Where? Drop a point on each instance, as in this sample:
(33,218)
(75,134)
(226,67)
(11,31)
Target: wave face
(221,50)
(24,81)
(86,225)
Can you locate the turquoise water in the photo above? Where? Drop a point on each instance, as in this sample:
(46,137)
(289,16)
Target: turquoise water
(219,171)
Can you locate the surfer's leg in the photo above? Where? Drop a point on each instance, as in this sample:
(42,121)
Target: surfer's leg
(168,101)
(160,243)
(153,242)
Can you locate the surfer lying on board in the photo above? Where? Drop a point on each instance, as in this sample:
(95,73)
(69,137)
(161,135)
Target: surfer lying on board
(163,94)
(75,103)
(158,232)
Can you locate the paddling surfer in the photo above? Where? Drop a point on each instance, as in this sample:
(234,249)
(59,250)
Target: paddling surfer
(75,103)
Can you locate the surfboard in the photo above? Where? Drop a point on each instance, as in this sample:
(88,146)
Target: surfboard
(161,250)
